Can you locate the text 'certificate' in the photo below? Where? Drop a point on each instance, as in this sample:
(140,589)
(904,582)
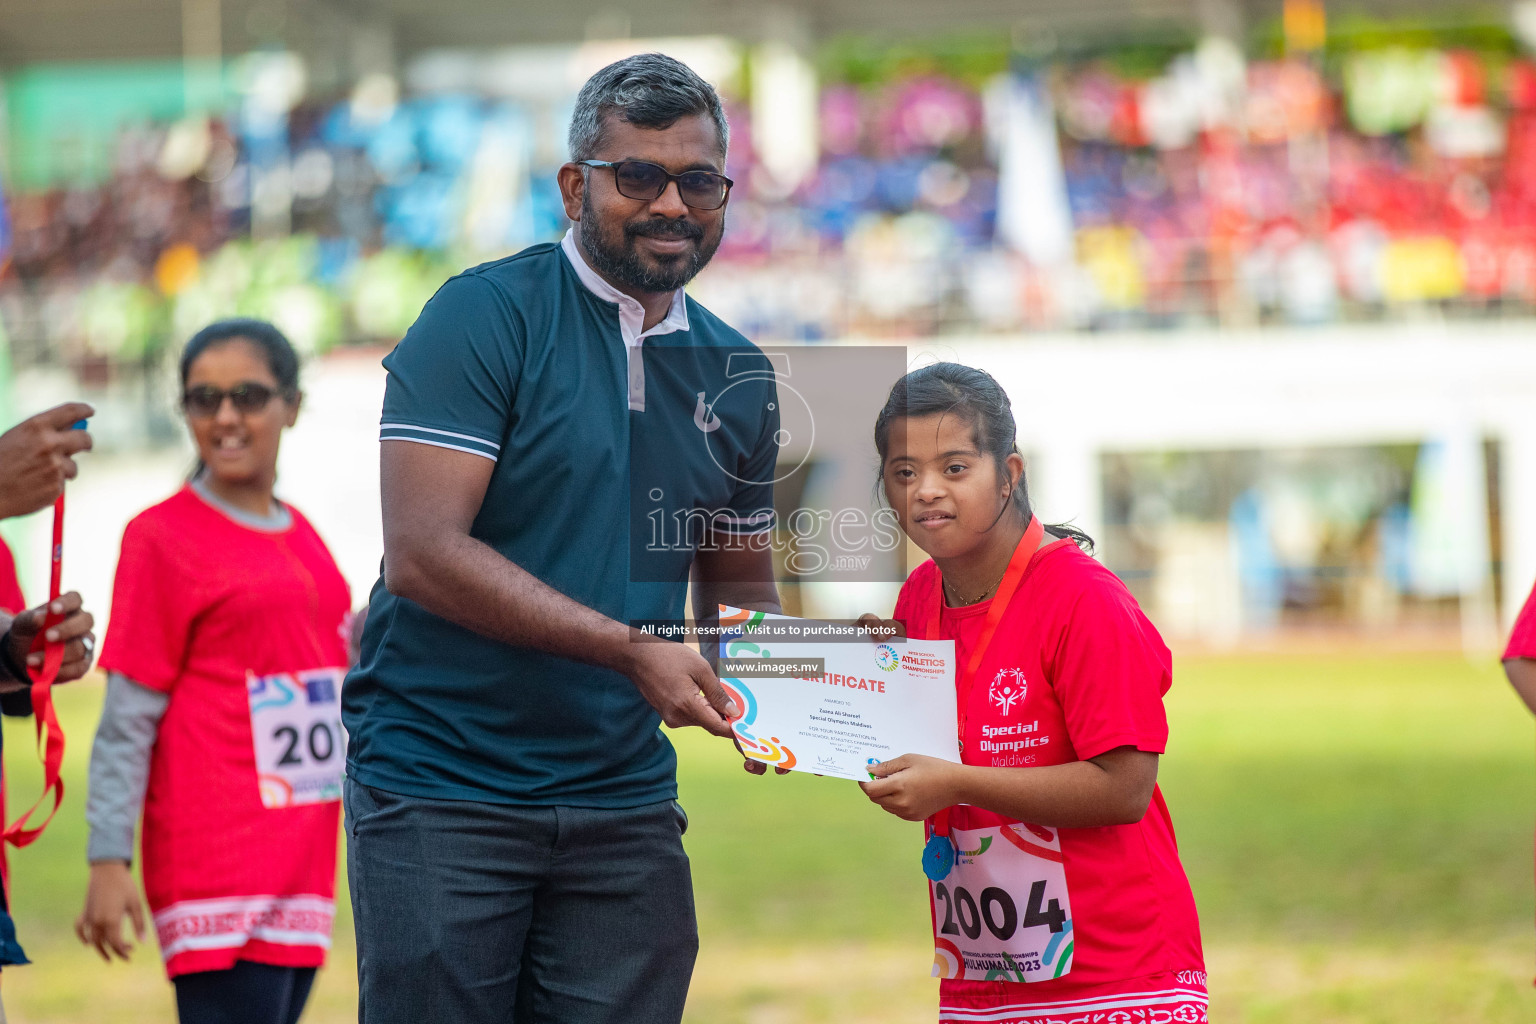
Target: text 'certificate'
(834,703)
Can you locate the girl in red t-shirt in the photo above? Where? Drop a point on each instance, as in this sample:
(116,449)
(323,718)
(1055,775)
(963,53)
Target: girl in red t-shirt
(225,656)
(11,601)
(1520,655)
(1055,881)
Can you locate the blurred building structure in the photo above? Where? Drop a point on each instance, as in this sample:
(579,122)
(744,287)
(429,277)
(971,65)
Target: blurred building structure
(1277,262)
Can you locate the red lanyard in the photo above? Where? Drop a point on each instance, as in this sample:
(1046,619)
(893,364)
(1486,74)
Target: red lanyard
(1012,577)
(50,735)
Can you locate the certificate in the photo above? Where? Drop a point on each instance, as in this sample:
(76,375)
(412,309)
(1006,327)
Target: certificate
(820,697)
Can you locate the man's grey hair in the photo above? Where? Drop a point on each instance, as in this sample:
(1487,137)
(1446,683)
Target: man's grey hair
(649,90)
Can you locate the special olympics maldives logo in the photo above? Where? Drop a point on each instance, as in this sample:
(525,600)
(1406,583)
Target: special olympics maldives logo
(887,658)
(1008,689)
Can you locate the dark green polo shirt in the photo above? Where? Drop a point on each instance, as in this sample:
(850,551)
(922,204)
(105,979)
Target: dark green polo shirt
(519,362)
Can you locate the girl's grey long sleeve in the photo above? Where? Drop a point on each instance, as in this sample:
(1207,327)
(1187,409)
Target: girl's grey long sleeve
(125,739)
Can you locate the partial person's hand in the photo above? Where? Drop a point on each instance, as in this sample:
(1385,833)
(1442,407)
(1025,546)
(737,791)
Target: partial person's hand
(36,457)
(74,629)
(912,786)
(880,630)
(112,895)
(678,683)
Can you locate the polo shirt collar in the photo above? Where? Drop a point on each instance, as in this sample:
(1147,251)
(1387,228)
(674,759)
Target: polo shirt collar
(631,313)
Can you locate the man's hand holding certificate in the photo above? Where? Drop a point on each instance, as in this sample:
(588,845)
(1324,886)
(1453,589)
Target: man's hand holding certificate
(821,697)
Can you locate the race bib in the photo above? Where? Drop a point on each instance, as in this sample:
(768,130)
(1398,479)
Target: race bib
(301,748)
(1001,912)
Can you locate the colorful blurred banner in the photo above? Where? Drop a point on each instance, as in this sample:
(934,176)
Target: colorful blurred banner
(1448,534)
(1306,26)
(1034,216)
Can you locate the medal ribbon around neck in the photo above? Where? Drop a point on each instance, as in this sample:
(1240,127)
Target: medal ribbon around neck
(1023,554)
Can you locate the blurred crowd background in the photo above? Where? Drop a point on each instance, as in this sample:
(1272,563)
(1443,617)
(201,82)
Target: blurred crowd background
(972,181)
(1174,175)
(1259,277)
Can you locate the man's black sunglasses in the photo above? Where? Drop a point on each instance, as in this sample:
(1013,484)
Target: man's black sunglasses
(204,400)
(645,181)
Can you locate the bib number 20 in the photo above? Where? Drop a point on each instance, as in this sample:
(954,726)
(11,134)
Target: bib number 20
(321,743)
(299,741)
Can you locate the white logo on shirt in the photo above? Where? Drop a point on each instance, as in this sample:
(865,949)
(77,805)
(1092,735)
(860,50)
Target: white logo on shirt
(1008,689)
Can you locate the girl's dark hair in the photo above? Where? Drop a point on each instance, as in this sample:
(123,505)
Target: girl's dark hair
(282,360)
(950,388)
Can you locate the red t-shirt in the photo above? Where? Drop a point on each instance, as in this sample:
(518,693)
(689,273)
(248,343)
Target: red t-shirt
(1093,673)
(11,599)
(201,602)
(1522,639)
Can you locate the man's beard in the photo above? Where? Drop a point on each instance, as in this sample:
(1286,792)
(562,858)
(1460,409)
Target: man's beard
(623,264)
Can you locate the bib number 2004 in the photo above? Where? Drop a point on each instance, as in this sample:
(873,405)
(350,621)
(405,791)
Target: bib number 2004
(982,932)
(299,741)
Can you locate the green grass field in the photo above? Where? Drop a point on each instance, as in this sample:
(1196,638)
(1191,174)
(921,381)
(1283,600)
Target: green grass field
(1358,832)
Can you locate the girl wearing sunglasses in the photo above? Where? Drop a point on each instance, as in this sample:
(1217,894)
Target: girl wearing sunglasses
(225,656)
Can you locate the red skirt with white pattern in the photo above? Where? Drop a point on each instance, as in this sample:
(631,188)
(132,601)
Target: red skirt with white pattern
(1177,997)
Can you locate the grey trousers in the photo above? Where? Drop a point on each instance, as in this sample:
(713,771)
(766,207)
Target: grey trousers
(474,913)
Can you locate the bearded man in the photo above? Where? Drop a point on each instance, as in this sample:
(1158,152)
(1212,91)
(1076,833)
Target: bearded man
(514,836)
